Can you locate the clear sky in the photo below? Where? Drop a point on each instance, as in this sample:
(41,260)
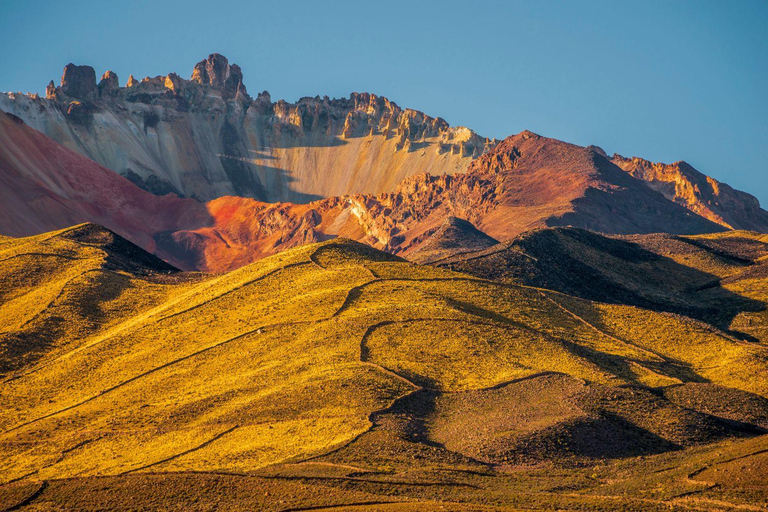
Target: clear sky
(665,80)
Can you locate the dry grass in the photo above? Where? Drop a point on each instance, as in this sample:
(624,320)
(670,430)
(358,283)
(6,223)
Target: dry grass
(335,356)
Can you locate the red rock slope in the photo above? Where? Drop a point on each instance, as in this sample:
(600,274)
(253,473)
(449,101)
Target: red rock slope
(526,182)
(44,186)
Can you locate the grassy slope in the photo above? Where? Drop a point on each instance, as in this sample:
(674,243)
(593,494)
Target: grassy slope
(718,278)
(337,367)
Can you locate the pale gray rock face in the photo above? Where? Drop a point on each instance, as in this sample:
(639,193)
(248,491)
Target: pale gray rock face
(206,137)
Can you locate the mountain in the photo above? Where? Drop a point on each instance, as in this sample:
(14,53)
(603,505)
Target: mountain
(338,375)
(525,182)
(234,179)
(681,183)
(206,137)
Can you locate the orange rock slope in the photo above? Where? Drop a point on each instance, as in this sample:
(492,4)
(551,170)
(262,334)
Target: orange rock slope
(713,200)
(528,181)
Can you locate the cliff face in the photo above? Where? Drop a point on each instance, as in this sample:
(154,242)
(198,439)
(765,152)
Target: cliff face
(713,200)
(207,137)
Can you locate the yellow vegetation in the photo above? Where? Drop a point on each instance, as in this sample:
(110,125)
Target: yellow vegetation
(111,372)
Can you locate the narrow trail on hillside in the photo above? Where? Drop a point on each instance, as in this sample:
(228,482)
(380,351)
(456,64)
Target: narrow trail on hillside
(349,506)
(439,261)
(59,295)
(232,290)
(355,292)
(185,452)
(43,255)
(700,470)
(659,357)
(29,499)
(363,357)
(151,371)
(119,329)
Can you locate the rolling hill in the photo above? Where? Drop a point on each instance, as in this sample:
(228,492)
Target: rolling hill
(338,375)
(716,278)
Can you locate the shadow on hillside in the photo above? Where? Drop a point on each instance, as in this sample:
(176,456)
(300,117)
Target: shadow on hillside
(599,436)
(24,347)
(248,179)
(631,207)
(595,267)
(621,366)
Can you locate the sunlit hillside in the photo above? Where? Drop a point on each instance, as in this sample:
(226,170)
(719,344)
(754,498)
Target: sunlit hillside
(335,374)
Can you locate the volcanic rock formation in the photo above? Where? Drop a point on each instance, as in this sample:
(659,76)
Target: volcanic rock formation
(526,182)
(206,137)
(361,168)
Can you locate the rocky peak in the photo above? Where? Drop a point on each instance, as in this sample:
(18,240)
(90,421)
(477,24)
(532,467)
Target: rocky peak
(212,71)
(109,84)
(218,73)
(79,82)
(600,151)
(50,91)
(173,82)
(131,81)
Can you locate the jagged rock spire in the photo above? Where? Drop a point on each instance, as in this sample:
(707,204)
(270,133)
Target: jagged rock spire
(217,72)
(79,82)
(109,84)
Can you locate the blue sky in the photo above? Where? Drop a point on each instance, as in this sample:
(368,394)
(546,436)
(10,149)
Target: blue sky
(666,80)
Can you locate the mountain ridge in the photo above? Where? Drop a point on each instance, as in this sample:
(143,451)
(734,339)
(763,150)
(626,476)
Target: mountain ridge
(279,175)
(525,182)
(217,140)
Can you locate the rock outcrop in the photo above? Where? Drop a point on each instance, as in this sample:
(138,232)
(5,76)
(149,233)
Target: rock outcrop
(79,82)
(109,85)
(218,73)
(713,200)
